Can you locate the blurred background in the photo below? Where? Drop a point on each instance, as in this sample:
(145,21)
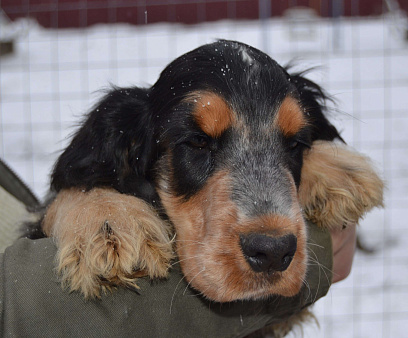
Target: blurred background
(56,56)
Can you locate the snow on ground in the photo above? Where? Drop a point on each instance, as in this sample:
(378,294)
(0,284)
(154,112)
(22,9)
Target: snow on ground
(55,75)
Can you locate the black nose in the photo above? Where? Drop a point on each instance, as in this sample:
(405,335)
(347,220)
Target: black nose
(268,254)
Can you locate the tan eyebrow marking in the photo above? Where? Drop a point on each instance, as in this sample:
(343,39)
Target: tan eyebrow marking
(211,112)
(290,119)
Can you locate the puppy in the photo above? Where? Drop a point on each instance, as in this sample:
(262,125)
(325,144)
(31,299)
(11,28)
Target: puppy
(218,163)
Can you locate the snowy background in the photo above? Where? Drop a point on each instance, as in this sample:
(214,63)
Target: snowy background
(54,77)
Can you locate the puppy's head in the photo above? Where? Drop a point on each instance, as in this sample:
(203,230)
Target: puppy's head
(233,126)
(218,143)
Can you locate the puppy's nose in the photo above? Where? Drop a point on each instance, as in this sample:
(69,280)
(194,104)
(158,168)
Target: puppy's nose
(268,254)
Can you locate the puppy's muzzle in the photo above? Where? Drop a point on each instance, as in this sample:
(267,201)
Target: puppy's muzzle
(268,254)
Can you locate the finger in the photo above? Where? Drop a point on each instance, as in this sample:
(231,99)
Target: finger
(344,245)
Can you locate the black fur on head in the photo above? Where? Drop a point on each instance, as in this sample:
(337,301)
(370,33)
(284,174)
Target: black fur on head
(130,129)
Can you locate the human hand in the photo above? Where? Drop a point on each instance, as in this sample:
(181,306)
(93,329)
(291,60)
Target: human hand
(344,246)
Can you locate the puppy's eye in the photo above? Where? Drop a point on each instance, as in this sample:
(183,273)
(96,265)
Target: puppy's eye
(293,144)
(198,141)
(296,143)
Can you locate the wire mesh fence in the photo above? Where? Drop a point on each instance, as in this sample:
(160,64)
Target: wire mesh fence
(52,75)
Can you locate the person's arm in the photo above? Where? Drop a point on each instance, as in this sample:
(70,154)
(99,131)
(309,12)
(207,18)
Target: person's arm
(32,302)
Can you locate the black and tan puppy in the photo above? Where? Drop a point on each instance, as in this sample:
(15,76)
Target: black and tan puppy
(219,163)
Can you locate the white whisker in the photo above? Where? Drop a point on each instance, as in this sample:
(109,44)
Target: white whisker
(321,268)
(190,240)
(189,283)
(184,259)
(174,293)
(319,246)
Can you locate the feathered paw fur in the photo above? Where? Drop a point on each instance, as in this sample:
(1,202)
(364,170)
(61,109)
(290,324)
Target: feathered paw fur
(338,186)
(106,239)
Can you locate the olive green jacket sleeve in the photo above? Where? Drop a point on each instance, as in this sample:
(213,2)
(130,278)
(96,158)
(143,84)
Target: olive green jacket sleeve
(32,303)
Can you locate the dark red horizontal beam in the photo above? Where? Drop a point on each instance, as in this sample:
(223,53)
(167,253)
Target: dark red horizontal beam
(82,13)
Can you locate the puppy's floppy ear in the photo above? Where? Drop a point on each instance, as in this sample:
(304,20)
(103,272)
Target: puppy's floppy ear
(313,99)
(338,185)
(114,147)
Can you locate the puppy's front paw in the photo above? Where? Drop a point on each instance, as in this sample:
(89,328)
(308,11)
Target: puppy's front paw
(106,239)
(338,185)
